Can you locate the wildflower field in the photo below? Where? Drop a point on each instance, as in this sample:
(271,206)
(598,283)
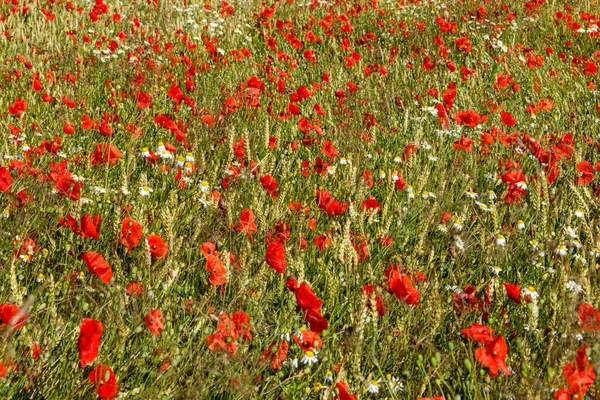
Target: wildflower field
(292,199)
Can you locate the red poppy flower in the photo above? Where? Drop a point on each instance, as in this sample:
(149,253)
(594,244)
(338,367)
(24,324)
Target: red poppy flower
(97,265)
(269,184)
(479,333)
(131,233)
(343,394)
(134,288)
(218,272)
(514,176)
(12,315)
(276,256)
(330,205)
(463,44)
(90,226)
(308,340)
(513,291)
(370,204)
(6,366)
(464,143)
(467,118)
(329,150)
(156,246)
(90,333)
(242,324)
(589,317)
(493,354)
(409,150)
(306,297)
(402,287)
(18,107)
(5,180)
(154,321)
(587,172)
(367,290)
(507,119)
(104,380)
(579,375)
(246,223)
(315,320)
(106,154)
(277,354)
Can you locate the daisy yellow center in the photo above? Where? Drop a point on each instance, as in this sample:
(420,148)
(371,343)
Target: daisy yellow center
(309,353)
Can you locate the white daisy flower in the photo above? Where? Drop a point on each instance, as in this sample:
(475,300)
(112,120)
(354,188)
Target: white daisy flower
(561,250)
(145,191)
(530,291)
(204,187)
(309,357)
(500,240)
(373,385)
(574,287)
(471,194)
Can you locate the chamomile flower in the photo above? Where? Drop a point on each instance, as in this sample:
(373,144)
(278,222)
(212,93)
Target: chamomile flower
(578,213)
(496,270)
(522,185)
(471,194)
(595,252)
(397,159)
(99,190)
(457,223)
(534,244)
(204,187)
(343,161)
(329,376)
(530,291)
(491,195)
(574,287)
(125,191)
(459,243)
(571,232)
(145,152)
(395,383)
(482,206)
(145,191)
(190,157)
(520,225)
(331,169)
(500,240)
(180,161)
(373,385)
(309,357)
(409,189)
(382,174)
(561,250)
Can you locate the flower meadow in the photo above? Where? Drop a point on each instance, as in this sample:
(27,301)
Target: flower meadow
(293,199)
